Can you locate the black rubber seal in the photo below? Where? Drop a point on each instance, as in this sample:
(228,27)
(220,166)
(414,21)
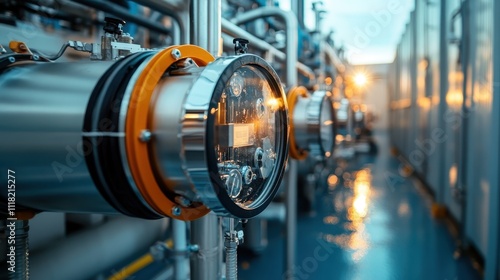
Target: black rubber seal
(104,158)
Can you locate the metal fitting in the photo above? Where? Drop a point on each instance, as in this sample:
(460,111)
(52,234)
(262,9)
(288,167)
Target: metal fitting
(176,210)
(145,136)
(176,53)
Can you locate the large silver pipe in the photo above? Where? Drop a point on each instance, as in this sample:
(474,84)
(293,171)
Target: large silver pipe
(42,109)
(85,254)
(206,232)
(206,25)
(291,28)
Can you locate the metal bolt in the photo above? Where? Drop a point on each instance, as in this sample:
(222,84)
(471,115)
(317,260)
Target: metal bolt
(176,53)
(193,248)
(145,136)
(12,60)
(36,57)
(176,210)
(183,201)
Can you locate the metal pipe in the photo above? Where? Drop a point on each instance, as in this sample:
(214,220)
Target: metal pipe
(291,219)
(178,10)
(332,55)
(181,262)
(124,14)
(291,27)
(206,262)
(85,254)
(206,25)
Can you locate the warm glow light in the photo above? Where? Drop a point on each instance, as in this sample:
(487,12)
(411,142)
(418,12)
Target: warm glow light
(273,103)
(332,180)
(360,79)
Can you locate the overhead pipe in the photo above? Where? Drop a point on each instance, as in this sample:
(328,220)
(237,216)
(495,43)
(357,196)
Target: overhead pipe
(177,10)
(231,31)
(291,28)
(122,13)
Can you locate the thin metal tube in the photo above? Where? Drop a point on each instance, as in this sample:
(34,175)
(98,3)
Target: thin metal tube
(124,14)
(181,261)
(291,218)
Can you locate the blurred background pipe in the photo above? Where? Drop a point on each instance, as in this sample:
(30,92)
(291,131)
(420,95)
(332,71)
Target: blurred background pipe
(85,254)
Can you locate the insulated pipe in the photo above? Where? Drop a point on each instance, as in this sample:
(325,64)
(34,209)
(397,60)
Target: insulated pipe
(290,20)
(85,254)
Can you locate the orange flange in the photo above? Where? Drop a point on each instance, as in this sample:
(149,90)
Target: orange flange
(293,95)
(138,115)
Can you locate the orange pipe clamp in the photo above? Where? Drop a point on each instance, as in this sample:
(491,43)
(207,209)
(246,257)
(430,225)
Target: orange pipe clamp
(293,95)
(138,116)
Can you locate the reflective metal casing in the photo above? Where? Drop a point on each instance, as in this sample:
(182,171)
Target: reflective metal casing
(184,135)
(314,124)
(42,109)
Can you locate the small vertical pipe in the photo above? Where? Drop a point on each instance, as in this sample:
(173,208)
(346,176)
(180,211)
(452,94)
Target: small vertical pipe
(291,219)
(181,261)
(206,263)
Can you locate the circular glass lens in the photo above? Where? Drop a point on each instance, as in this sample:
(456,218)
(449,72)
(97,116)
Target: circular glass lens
(245,134)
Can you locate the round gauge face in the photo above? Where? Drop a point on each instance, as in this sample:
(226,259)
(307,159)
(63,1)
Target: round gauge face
(327,127)
(247,129)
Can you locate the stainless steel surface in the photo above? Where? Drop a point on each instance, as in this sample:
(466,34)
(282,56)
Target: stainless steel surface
(42,108)
(206,263)
(85,254)
(170,93)
(313,124)
(206,26)
(291,25)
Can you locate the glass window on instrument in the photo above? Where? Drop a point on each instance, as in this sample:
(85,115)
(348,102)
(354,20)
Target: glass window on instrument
(246,127)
